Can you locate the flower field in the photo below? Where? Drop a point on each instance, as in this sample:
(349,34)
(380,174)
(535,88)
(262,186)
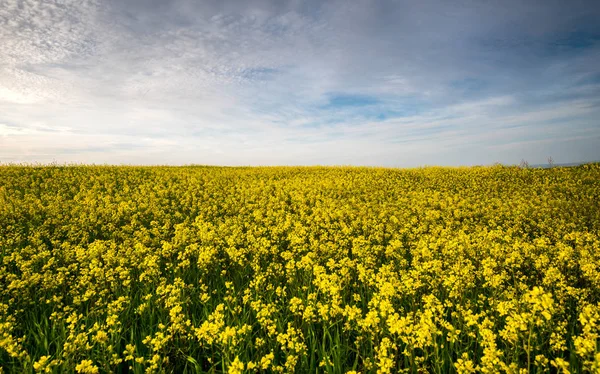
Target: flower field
(309,269)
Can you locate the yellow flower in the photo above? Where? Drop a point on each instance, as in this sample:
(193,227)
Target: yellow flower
(283,261)
(101,337)
(86,367)
(265,361)
(464,364)
(236,367)
(40,365)
(561,365)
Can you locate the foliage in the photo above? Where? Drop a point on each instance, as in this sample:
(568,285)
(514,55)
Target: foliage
(312,269)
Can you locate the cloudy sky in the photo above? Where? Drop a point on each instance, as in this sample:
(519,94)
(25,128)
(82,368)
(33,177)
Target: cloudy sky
(394,83)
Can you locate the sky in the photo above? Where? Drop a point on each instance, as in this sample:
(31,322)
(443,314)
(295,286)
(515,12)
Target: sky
(381,83)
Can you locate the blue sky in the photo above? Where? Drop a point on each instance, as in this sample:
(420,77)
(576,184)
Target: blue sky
(391,83)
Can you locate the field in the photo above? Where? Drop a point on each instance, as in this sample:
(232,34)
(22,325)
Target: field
(314,269)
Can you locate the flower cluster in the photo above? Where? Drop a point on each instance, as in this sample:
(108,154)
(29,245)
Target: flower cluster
(307,269)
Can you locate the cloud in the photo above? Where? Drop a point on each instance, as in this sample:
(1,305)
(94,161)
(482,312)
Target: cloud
(289,82)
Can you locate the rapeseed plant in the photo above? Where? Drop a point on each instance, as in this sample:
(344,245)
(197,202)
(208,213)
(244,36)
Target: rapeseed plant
(337,270)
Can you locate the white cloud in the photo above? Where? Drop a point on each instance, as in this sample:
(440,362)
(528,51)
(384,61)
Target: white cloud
(250,82)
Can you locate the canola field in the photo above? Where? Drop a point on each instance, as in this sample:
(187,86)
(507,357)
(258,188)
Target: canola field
(299,270)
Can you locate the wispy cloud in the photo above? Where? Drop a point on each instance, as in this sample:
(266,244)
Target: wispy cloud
(292,82)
